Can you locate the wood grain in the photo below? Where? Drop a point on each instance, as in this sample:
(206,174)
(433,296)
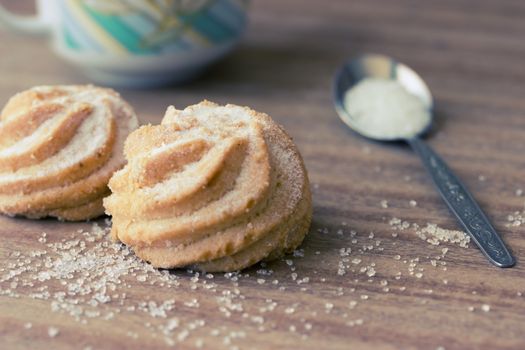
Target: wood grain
(470,53)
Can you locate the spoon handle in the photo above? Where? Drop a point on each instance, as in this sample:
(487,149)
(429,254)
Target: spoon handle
(463,205)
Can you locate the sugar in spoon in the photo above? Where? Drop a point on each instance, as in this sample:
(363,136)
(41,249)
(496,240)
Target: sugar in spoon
(371,68)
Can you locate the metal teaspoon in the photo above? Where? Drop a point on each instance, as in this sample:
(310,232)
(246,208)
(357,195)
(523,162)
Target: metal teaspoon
(454,193)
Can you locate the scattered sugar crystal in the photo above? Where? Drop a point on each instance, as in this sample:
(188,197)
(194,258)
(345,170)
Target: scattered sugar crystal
(141,278)
(52,332)
(515,219)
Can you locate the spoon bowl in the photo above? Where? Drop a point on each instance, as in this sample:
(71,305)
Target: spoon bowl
(381,68)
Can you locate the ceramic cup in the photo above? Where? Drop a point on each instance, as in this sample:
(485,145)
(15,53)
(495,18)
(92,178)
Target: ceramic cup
(137,42)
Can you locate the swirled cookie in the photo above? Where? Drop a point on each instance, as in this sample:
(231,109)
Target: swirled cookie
(217,188)
(59,146)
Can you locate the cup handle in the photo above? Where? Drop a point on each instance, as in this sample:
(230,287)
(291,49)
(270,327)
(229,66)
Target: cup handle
(24,24)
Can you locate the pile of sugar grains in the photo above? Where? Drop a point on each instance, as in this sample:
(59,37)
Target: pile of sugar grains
(431,233)
(91,279)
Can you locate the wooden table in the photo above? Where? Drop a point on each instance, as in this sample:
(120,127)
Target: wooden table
(390,292)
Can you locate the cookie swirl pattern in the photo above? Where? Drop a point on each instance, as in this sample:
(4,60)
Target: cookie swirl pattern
(59,146)
(218,188)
